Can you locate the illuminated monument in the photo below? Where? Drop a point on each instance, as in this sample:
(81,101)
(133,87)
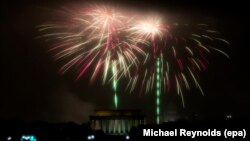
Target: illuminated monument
(116,122)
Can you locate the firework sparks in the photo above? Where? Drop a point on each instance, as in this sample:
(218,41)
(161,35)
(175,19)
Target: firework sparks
(175,59)
(182,50)
(148,29)
(95,38)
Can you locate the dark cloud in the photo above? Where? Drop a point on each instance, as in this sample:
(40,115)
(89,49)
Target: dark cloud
(65,106)
(58,106)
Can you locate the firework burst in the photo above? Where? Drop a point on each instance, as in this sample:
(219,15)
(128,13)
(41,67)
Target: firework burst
(94,39)
(178,53)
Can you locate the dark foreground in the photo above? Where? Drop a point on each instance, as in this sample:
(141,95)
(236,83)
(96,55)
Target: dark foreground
(42,131)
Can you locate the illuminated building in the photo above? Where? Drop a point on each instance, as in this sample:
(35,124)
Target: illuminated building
(116,122)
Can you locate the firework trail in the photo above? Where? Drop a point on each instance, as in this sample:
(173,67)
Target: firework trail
(152,31)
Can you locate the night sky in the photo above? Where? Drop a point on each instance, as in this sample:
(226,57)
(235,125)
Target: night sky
(33,90)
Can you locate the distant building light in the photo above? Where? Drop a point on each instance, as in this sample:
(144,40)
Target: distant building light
(9,138)
(127,137)
(28,138)
(91,137)
(229,116)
